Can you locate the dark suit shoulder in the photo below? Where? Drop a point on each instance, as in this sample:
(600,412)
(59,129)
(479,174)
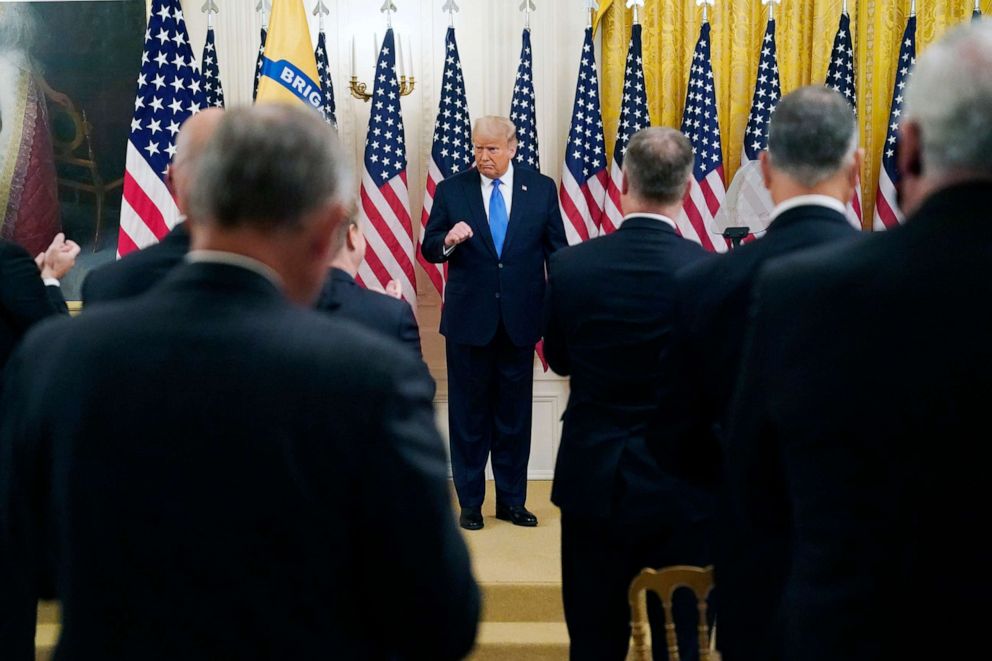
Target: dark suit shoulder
(468,177)
(137,272)
(533,177)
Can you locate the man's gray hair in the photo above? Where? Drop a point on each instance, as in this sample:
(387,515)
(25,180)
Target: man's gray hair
(267,167)
(949,96)
(658,163)
(812,135)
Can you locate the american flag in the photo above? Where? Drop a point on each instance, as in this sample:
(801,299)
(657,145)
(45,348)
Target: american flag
(259,61)
(523,110)
(767,92)
(583,179)
(452,150)
(326,84)
(385,205)
(211,72)
(170,90)
(840,77)
(700,124)
(752,204)
(634,116)
(887,213)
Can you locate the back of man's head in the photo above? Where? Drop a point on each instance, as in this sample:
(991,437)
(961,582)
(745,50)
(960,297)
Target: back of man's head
(272,185)
(949,101)
(266,168)
(191,141)
(812,136)
(657,166)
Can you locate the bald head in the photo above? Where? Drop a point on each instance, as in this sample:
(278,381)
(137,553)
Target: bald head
(193,136)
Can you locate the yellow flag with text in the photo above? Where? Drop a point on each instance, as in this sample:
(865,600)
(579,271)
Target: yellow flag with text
(289,70)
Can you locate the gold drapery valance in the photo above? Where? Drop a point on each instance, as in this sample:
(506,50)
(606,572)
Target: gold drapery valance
(805,32)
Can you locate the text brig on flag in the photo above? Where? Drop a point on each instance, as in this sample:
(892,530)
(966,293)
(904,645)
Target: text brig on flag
(385,198)
(582,193)
(170,90)
(452,149)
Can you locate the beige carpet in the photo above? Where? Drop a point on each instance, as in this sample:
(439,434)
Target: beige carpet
(518,569)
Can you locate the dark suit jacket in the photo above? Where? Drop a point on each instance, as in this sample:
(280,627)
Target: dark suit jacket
(229,476)
(700,372)
(482,289)
(346,299)
(863,403)
(608,315)
(24,298)
(136,273)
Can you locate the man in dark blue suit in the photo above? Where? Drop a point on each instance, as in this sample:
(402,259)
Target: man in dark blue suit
(863,403)
(810,169)
(495,226)
(140,271)
(29,288)
(343,297)
(214,469)
(608,315)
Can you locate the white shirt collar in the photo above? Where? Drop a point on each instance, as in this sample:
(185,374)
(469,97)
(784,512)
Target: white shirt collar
(235,259)
(809,200)
(505,180)
(653,216)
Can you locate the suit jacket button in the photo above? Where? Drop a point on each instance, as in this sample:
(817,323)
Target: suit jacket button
(497,294)
(501,264)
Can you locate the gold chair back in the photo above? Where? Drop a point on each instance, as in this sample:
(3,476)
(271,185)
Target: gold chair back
(664,583)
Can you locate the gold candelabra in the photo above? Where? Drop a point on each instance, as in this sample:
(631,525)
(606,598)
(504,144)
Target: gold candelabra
(360,90)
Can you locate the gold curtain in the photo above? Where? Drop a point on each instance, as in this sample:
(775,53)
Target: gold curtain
(804,35)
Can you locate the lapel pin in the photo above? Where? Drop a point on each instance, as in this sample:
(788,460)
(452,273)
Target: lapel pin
(523,188)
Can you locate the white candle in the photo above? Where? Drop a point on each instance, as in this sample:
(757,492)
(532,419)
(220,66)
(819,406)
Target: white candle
(399,56)
(354,74)
(409,61)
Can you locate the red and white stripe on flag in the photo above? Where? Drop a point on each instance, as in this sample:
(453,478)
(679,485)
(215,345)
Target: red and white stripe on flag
(582,193)
(707,192)
(452,149)
(634,115)
(389,234)
(436,273)
(170,90)
(887,213)
(385,198)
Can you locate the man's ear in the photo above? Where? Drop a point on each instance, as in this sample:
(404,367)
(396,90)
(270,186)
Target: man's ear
(624,183)
(326,226)
(170,182)
(855,173)
(909,150)
(766,169)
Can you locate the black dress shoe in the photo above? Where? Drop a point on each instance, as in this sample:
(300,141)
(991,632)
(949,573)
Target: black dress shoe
(516,514)
(471,518)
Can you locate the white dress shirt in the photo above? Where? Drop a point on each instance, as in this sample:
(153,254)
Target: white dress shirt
(505,189)
(234,259)
(653,216)
(809,200)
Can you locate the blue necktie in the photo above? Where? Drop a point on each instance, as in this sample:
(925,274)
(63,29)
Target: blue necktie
(497,217)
